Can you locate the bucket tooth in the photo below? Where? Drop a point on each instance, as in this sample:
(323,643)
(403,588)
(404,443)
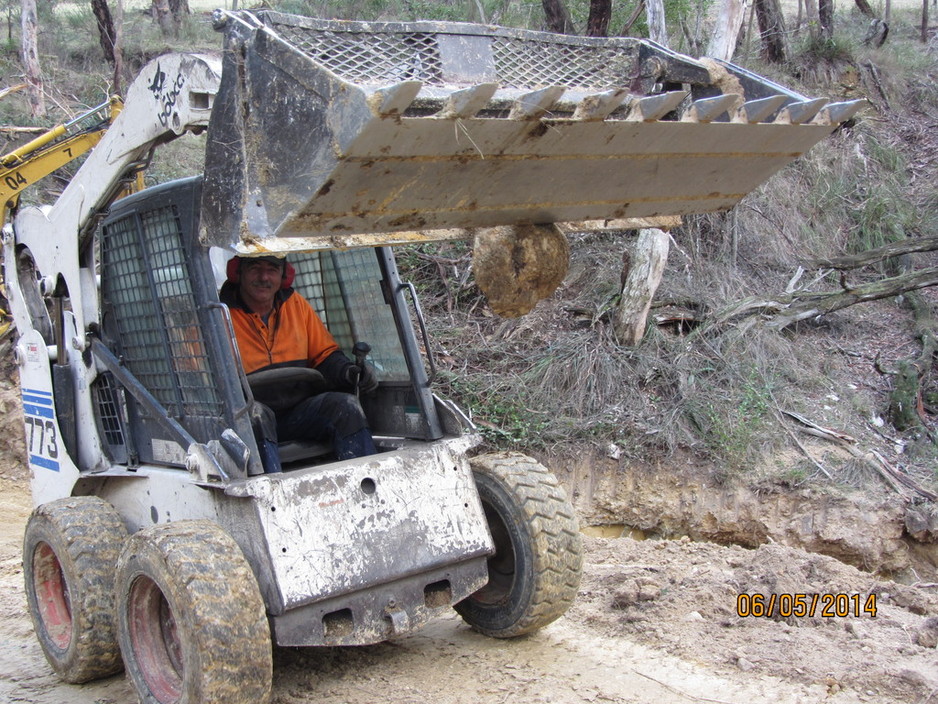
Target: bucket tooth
(835,113)
(533,105)
(799,113)
(599,105)
(754,111)
(709,109)
(394,100)
(466,103)
(655,107)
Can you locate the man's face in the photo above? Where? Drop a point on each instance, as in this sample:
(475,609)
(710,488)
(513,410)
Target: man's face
(260,281)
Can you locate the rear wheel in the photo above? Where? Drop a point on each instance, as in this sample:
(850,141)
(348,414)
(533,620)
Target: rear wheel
(535,571)
(191,621)
(70,554)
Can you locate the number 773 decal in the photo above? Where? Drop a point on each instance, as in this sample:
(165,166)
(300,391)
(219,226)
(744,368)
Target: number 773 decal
(42,440)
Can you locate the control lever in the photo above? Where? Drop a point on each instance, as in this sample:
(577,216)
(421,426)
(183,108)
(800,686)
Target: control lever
(360,350)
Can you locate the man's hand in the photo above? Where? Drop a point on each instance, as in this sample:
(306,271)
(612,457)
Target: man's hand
(363,376)
(367,382)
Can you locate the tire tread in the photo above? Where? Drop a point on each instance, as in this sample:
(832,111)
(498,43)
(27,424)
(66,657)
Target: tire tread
(552,523)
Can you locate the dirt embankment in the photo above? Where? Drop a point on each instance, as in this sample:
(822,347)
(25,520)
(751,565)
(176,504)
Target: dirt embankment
(876,531)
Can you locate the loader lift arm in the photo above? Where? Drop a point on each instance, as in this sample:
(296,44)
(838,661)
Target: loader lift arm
(172,95)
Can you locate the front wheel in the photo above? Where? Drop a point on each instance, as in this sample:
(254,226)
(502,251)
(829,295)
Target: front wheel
(69,557)
(535,571)
(191,621)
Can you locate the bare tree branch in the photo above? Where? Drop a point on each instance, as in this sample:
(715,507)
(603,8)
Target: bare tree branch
(871,256)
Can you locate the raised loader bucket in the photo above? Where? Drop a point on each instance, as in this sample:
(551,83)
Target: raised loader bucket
(332,133)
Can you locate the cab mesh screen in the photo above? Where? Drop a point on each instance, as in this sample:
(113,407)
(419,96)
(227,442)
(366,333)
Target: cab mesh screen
(150,307)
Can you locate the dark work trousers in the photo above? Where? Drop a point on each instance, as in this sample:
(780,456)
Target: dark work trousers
(333,417)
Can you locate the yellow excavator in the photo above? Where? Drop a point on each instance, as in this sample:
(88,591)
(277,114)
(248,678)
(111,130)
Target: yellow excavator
(51,150)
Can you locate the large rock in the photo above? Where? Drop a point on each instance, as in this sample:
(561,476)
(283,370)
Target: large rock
(518,265)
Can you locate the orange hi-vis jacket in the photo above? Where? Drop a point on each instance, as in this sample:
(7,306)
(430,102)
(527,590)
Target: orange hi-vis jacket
(292,336)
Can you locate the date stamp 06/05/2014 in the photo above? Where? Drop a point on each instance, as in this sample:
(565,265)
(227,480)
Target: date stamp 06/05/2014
(825,605)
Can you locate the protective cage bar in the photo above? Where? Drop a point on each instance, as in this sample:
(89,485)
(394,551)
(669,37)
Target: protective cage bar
(146,283)
(344,287)
(441,53)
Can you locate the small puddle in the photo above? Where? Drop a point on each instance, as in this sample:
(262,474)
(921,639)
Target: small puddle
(613,530)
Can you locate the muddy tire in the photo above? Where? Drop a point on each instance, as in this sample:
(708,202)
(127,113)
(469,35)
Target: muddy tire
(191,621)
(535,571)
(70,555)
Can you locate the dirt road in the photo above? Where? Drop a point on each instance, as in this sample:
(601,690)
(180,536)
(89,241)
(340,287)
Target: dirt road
(655,622)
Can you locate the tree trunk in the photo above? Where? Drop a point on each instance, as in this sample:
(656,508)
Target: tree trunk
(826,18)
(558,17)
(178,8)
(811,15)
(641,275)
(905,400)
(106,35)
(772,30)
(726,31)
(118,44)
(657,30)
(164,17)
(887,12)
(864,7)
(30,26)
(877,33)
(600,13)
(924,21)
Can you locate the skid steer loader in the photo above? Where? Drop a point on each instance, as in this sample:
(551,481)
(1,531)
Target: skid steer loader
(159,544)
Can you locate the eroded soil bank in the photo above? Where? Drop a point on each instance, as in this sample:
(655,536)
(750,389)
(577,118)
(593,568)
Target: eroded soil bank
(874,530)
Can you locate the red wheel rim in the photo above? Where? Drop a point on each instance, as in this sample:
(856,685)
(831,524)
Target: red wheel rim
(155,640)
(52,598)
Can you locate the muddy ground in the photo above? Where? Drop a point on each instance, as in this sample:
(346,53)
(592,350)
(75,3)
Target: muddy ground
(655,621)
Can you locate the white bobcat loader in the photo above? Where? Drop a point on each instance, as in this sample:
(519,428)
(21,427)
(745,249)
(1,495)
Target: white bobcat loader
(158,543)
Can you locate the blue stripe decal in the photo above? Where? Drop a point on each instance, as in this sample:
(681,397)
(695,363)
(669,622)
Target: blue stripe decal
(43,401)
(44,462)
(38,392)
(40,411)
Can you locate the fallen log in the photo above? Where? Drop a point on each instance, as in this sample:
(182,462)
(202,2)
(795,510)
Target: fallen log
(780,311)
(896,479)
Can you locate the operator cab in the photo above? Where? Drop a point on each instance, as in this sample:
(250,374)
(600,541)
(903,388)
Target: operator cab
(161,318)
